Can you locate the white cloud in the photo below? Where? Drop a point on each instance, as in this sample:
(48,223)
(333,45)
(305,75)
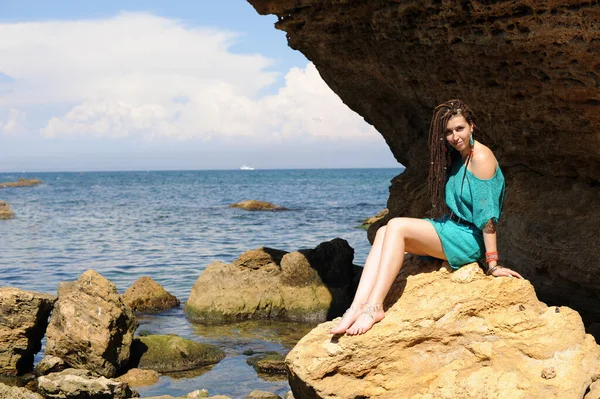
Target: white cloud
(14,123)
(139,74)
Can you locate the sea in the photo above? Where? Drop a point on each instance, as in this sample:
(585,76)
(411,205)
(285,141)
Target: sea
(170,225)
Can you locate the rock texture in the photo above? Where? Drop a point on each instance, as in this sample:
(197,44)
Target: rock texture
(146,294)
(23,321)
(21,183)
(268,363)
(308,285)
(91,327)
(452,336)
(254,205)
(529,69)
(49,364)
(594,392)
(139,377)
(170,353)
(5,211)
(82,384)
(8,392)
(256,394)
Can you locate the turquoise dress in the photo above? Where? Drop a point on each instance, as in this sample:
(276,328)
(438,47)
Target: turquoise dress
(475,201)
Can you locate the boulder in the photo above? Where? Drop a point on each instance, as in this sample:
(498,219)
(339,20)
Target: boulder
(254,205)
(170,353)
(21,183)
(23,321)
(268,363)
(146,294)
(380,215)
(8,392)
(139,377)
(49,364)
(522,66)
(5,211)
(91,327)
(256,394)
(460,335)
(307,285)
(82,384)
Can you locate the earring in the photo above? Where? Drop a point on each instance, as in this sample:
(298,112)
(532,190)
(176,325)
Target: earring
(471,141)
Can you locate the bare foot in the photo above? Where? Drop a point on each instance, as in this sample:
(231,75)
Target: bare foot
(371,314)
(353,312)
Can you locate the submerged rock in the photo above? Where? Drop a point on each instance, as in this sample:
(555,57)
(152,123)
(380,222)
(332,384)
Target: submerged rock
(91,327)
(82,384)
(269,363)
(23,321)
(5,211)
(21,183)
(170,353)
(256,394)
(308,285)
(451,335)
(146,294)
(254,205)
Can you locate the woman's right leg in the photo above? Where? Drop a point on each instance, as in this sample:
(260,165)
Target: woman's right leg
(365,286)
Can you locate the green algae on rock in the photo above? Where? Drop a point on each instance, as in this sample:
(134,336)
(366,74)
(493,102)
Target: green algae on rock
(171,353)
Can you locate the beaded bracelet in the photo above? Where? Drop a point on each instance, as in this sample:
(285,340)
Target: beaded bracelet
(491,270)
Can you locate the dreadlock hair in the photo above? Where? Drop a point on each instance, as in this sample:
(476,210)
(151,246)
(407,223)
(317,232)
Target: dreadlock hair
(439,150)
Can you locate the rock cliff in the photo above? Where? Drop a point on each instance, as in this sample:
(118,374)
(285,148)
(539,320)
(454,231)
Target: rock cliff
(529,69)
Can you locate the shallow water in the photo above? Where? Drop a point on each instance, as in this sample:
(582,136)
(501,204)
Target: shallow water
(170,225)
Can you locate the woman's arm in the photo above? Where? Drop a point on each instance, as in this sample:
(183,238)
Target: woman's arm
(489,240)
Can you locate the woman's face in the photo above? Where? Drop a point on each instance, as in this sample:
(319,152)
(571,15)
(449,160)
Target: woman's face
(458,132)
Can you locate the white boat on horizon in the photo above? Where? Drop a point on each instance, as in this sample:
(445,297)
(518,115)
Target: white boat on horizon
(246,167)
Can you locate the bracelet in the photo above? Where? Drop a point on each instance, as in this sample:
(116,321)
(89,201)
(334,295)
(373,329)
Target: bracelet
(490,271)
(491,256)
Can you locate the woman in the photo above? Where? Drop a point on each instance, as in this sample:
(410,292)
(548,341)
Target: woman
(467,193)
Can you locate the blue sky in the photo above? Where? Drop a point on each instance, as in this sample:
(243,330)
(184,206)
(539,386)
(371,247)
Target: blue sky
(137,85)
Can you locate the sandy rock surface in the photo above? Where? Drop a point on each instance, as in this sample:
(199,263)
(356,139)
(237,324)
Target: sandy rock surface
(170,353)
(91,327)
(23,321)
(262,395)
(139,377)
(8,392)
(458,335)
(79,383)
(5,211)
(145,294)
(307,285)
(254,205)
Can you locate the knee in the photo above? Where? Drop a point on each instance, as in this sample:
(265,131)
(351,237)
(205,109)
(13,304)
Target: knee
(397,225)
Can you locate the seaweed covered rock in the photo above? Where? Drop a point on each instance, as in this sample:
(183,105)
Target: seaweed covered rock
(145,295)
(23,321)
(268,363)
(170,353)
(306,285)
(91,327)
(459,335)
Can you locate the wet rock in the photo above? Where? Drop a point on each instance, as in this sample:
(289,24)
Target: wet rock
(91,327)
(262,395)
(170,353)
(307,285)
(380,215)
(146,294)
(139,377)
(5,211)
(49,364)
(8,392)
(254,205)
(21,183)
(269,363)
(82,384)
(451,338)
(23,321)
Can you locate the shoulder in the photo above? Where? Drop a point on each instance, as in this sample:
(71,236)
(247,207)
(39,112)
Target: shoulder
(484,163)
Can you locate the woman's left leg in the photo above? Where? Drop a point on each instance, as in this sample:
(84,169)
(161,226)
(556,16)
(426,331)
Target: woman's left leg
(415,236)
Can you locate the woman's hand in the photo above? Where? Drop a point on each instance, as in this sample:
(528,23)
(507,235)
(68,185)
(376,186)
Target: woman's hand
(502,271)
